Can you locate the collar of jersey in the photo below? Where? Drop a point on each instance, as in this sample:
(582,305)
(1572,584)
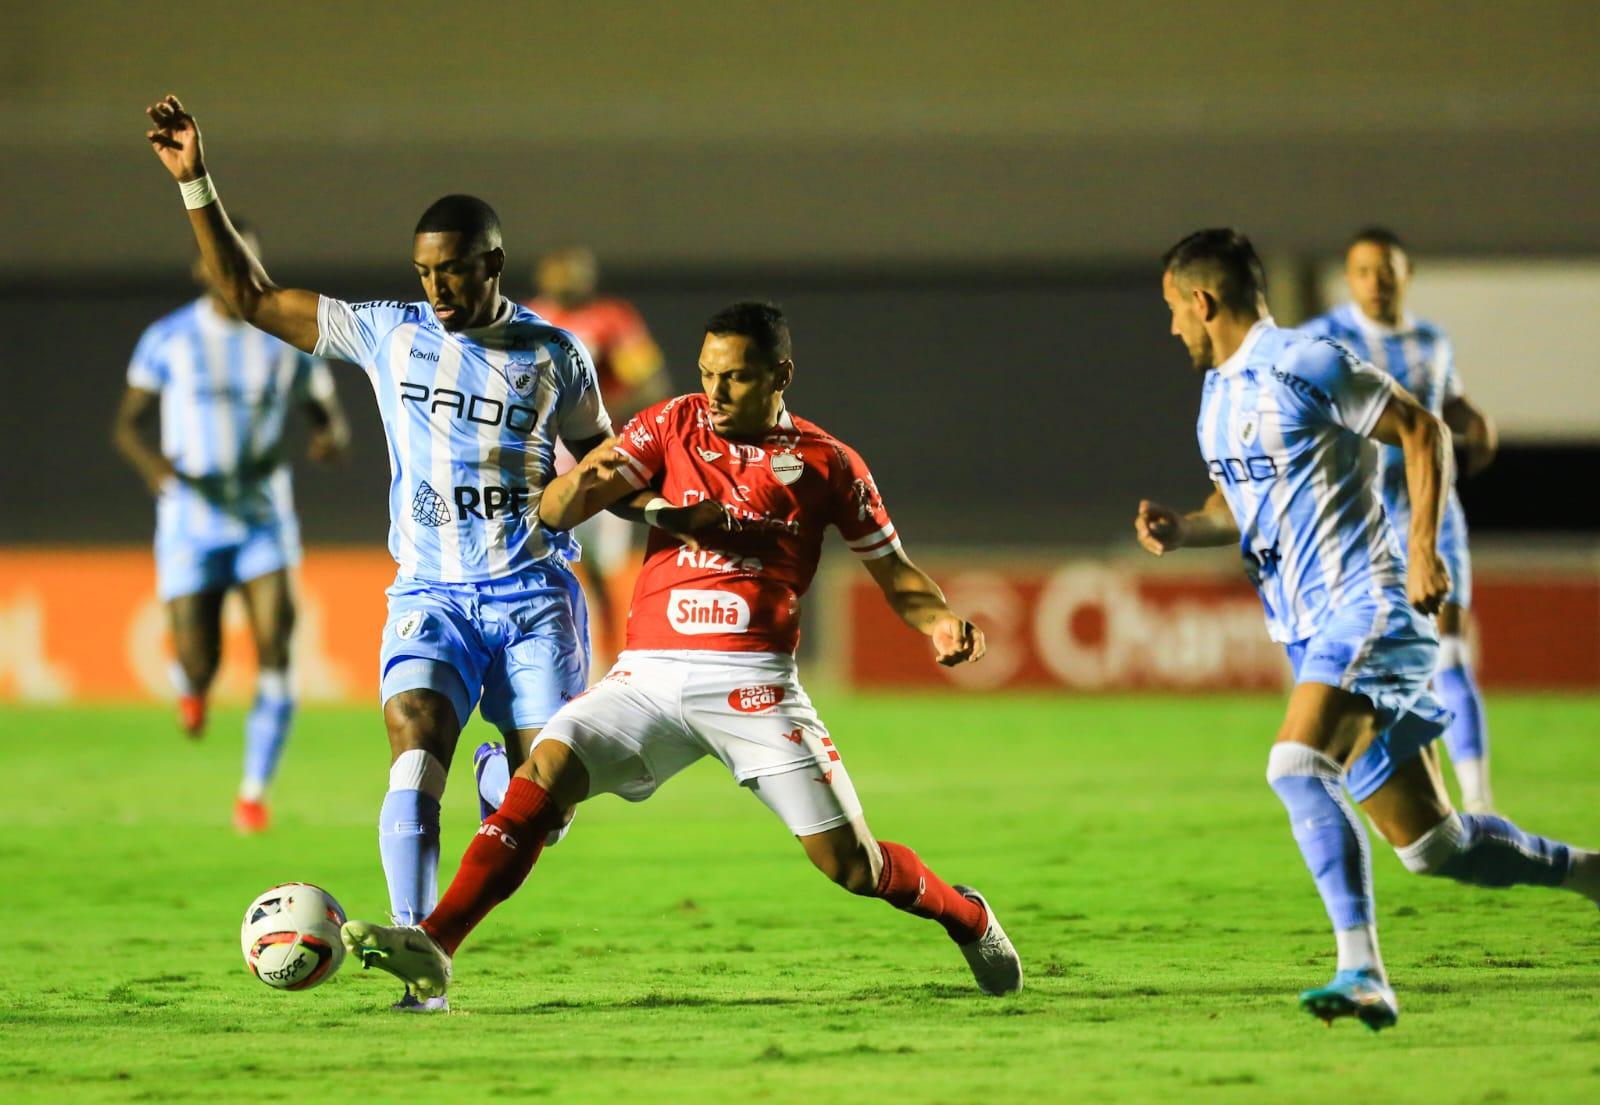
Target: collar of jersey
(502,316)
(1236,362)
(1408,323)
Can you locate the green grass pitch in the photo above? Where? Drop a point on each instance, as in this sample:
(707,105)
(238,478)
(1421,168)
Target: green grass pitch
(683,950)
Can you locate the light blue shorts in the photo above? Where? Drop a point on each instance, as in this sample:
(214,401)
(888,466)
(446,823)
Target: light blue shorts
(185,566)
(1385,653)
(517,648)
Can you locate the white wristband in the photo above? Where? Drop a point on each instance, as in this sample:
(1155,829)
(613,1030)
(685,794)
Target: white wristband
(197,193)
(653,509)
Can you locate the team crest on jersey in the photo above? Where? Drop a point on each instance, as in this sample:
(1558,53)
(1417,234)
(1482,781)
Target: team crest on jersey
(522,376)
(787,467)
(406,628)
(1248,426)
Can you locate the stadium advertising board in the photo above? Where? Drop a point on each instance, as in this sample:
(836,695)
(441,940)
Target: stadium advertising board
(1096,625)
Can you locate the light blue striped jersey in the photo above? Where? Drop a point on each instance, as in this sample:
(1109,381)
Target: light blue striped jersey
(1418,355)
(1283,425)
(1421,358)
(472,420)
(225,389)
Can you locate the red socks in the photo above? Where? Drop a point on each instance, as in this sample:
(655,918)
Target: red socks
(497,861)
(906,883)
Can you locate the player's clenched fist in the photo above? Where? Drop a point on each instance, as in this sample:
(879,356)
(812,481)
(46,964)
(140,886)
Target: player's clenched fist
(1427,583)
(957,642)
(176,139)
(698,525)
(1159,528)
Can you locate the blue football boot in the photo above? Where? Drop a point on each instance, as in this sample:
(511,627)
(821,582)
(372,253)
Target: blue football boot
(490,757)
(1360,993)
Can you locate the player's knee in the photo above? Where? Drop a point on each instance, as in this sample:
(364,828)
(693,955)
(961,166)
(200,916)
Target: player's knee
(421,720)
(1438,851)
(557,770)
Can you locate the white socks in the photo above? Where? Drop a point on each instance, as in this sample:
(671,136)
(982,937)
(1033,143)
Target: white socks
(416,769)
(1358,947)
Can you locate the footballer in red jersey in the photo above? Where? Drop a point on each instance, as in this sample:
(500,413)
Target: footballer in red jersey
(632,375)
(739,493)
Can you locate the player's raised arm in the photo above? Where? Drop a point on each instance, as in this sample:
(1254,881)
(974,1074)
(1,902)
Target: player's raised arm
(1161,529)
(285,313)
(1425,441)
(913,595)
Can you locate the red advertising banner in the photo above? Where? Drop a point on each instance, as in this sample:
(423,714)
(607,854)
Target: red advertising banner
(1110,625)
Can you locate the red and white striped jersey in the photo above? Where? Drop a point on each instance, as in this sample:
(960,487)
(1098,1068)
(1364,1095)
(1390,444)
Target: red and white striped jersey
(785,489)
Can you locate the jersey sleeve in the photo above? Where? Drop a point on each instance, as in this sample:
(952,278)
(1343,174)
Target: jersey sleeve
(642,446)
(1326,383)
(580,412)
(351,331)
(147,369)
(859,513)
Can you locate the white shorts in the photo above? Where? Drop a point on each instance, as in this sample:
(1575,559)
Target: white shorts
(655,713)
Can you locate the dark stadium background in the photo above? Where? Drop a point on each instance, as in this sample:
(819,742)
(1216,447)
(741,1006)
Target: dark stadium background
(961,209)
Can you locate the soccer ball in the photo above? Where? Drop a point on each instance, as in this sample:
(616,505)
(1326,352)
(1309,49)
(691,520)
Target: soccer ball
(290,936)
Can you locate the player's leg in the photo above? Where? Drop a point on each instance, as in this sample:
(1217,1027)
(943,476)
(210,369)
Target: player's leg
(1305,769)
(1322,728)
(818,804)
(269,601)
(432,661)
(1412,810)
(541,622)
(1467,739)
(538,802)
(196,622)
(595,745)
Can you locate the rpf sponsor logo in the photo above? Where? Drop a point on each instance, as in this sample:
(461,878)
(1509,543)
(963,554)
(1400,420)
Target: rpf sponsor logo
(754,700)
(694,612)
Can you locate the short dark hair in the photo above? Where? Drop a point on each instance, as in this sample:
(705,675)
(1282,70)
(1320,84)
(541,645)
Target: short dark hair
(762,323)
(461,214)
(1378,236)
(1223,258)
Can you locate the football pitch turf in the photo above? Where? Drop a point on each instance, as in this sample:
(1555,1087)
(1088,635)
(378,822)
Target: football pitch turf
(683,950)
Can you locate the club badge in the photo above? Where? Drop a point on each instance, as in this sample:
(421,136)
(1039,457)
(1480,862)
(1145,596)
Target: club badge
(522,376)
(1247,429)
(787,467)
(406,628)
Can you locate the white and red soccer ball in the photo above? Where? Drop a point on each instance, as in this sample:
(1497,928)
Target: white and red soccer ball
(290,936)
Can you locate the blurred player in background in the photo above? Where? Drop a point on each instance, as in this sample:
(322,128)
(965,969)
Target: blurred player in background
(1377,327)
(1286,425)
(632,376)
(473,391)
(224,508)
(745,491)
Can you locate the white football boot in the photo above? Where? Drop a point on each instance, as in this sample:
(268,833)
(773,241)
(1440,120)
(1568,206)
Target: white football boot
(993,959)
(405,951)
